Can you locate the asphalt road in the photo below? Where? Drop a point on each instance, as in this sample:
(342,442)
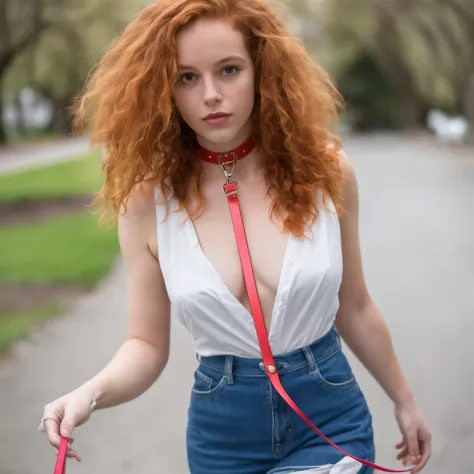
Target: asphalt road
(417,236)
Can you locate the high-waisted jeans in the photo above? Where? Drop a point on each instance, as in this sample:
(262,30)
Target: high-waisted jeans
(238,424)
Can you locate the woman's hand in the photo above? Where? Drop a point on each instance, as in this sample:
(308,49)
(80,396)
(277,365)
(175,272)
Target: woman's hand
(63,415)
(416,444)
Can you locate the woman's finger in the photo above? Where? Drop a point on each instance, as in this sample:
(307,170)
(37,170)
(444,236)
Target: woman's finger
(413,446)
(52,431)
(402,454)
(425,449)
(401,444)
(71,453)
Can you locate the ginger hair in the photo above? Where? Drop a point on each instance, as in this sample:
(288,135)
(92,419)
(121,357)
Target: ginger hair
(129,97)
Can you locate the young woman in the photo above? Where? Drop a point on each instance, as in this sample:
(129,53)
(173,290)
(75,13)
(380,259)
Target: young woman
(194,88)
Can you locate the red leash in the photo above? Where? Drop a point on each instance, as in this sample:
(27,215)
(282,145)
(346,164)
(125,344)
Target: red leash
(60,467)
(230,189)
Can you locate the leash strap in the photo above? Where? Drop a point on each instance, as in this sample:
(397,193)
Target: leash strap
(60,467)
(230,189)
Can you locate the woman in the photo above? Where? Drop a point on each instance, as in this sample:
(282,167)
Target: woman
(189,82)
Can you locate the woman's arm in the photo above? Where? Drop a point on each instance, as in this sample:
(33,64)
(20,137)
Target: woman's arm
(144,354)
(362,327)
(359,321)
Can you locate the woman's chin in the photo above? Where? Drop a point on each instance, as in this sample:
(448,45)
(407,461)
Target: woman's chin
(222,139)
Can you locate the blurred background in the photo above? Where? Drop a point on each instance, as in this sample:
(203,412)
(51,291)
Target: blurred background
(406,71)
(400,64)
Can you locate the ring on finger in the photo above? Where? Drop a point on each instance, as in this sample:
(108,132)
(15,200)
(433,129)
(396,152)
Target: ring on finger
(41,426)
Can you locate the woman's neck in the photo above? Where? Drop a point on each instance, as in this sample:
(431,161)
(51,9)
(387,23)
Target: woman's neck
(244,169)
(243,148)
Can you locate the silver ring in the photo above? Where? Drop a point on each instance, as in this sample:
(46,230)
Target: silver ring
(42,427)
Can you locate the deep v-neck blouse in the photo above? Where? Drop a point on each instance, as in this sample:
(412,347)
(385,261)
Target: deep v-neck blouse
(307,297)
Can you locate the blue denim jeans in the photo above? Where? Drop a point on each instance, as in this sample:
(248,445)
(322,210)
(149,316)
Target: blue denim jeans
(238,424)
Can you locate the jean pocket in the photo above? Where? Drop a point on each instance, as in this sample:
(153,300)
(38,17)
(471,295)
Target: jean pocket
(334,372)
(206,383)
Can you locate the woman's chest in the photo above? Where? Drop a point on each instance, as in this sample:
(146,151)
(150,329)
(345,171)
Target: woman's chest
(265,237)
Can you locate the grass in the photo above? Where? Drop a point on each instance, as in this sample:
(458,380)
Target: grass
(70,250)
(33,136)
(82,176)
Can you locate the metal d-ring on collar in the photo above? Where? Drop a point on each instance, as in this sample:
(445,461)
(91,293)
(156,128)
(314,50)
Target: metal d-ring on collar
(228,170)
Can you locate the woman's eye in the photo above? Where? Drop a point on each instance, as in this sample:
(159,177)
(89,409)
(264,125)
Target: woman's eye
(229,70)
(188,77)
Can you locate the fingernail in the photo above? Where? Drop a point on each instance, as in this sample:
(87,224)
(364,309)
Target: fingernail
(65,433)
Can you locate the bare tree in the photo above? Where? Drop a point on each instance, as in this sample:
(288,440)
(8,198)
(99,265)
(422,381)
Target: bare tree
(21,23)
(57,63)
(425,49)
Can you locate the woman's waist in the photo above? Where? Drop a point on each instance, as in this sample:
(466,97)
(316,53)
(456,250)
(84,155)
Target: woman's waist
(296,359)
(227,331)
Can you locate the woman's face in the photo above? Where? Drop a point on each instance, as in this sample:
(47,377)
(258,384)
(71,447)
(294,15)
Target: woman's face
(216,90)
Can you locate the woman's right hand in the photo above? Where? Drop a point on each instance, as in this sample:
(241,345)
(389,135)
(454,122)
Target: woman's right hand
(64,414)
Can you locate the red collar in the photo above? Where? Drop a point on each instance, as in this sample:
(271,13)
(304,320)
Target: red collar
(240,152)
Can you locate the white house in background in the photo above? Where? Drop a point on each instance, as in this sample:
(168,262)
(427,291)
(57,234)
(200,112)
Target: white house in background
(32,112)
(453,129)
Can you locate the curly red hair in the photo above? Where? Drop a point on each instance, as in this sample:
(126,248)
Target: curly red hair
(146,140)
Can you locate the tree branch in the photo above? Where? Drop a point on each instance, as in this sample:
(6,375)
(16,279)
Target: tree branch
(9,55)
(38,25)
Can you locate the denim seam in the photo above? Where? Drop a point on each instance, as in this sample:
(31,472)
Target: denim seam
(290,432)
(210,392)
(310,360)
(229,367)
(328,354)
(333,386)
(272,411)
(204,378)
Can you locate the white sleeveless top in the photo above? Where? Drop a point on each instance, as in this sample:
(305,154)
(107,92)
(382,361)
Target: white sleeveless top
(306,302)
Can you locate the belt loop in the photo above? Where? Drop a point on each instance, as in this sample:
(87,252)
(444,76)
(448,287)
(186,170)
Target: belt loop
(338,338)
(308,353)
(229,362)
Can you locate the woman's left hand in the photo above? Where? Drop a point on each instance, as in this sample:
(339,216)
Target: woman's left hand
(416,444)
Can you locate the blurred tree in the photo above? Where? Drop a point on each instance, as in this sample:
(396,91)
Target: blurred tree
(58,62)
(459,57)
(406,56)
(304,17)
(21,23)
(369,51)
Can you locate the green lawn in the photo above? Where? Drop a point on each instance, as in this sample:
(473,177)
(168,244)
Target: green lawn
(70,250)
(81,176)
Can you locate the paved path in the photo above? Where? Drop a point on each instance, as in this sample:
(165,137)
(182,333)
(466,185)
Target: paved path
(19,158)
(417,232)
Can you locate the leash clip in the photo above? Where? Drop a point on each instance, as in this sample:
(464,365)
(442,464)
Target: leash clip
(228,166)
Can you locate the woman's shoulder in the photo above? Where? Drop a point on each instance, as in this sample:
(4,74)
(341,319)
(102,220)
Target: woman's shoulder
(349,175)
(137,222)
(141,202)
(343,158)
(346,169)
